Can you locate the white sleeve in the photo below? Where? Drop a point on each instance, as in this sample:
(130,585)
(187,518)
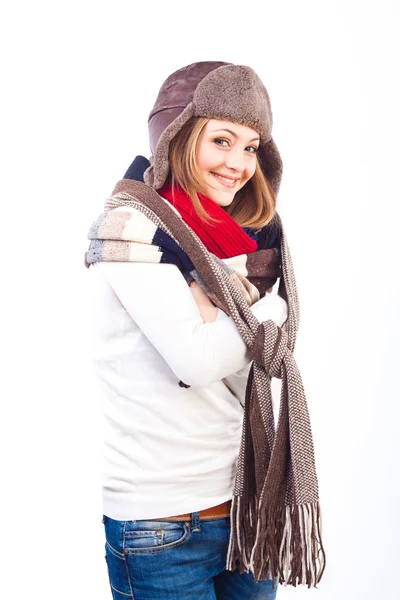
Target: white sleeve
(160,302)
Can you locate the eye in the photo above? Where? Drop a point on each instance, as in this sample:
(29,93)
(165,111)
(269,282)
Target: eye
(217,140)
(253,149)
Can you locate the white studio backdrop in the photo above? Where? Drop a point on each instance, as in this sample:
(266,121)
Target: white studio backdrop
(79,80)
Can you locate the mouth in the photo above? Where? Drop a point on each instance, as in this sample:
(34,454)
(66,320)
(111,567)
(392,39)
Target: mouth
(229,182)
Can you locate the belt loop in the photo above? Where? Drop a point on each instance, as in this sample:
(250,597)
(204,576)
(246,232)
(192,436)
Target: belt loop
(196,522)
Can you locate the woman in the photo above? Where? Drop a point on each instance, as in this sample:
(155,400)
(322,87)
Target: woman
(181,281)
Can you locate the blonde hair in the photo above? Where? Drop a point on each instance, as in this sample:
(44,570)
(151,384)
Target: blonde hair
(253,206)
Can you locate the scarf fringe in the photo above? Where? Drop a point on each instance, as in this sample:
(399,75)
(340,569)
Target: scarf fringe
(282,542)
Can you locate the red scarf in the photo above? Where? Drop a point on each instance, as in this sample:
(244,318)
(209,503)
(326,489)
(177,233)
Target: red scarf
(225,238)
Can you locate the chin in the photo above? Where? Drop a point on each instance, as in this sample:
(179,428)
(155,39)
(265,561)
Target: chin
(222,199)
(224,202)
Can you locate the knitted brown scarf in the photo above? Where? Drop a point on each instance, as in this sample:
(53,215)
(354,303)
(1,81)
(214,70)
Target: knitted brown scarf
(275,517)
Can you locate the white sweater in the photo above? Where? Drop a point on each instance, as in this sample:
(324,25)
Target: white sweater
(168,450)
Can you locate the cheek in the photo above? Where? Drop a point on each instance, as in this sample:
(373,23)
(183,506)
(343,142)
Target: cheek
(251,169)
(208,157)
(202,160)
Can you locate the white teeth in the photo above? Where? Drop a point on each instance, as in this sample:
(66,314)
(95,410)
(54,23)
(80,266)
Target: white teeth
(231,181)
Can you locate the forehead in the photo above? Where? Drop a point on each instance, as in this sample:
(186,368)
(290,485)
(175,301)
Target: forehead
(240,130)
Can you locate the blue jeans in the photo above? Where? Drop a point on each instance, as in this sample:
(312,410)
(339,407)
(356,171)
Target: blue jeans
(166,560)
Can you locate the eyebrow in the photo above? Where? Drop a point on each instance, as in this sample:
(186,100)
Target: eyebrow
(256,139)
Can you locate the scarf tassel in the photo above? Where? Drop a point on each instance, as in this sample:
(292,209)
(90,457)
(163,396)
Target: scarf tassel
(282,542)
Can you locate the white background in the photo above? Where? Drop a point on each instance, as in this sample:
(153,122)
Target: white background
(78,81)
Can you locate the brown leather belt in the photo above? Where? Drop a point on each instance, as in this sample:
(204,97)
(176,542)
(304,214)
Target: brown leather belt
(215,512)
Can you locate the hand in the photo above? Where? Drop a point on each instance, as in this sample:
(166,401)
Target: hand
(208,311)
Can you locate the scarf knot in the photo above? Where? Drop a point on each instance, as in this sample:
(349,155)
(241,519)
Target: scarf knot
(270,348)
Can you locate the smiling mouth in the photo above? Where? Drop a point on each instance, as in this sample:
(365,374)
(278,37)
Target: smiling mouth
(225,180)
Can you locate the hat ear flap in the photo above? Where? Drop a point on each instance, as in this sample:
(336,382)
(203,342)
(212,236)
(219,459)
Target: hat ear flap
(160,160)
(271,164)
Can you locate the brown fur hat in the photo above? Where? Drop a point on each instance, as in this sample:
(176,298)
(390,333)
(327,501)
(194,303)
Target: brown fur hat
(216,90)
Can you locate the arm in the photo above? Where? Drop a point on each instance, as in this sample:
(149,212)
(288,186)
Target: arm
(160,302)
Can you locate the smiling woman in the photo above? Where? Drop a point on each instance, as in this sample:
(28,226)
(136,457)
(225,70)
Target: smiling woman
(203,498)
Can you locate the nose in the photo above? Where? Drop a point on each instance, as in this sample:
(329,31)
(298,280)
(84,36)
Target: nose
(235,160)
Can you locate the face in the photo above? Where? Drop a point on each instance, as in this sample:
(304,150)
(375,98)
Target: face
(226,158)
